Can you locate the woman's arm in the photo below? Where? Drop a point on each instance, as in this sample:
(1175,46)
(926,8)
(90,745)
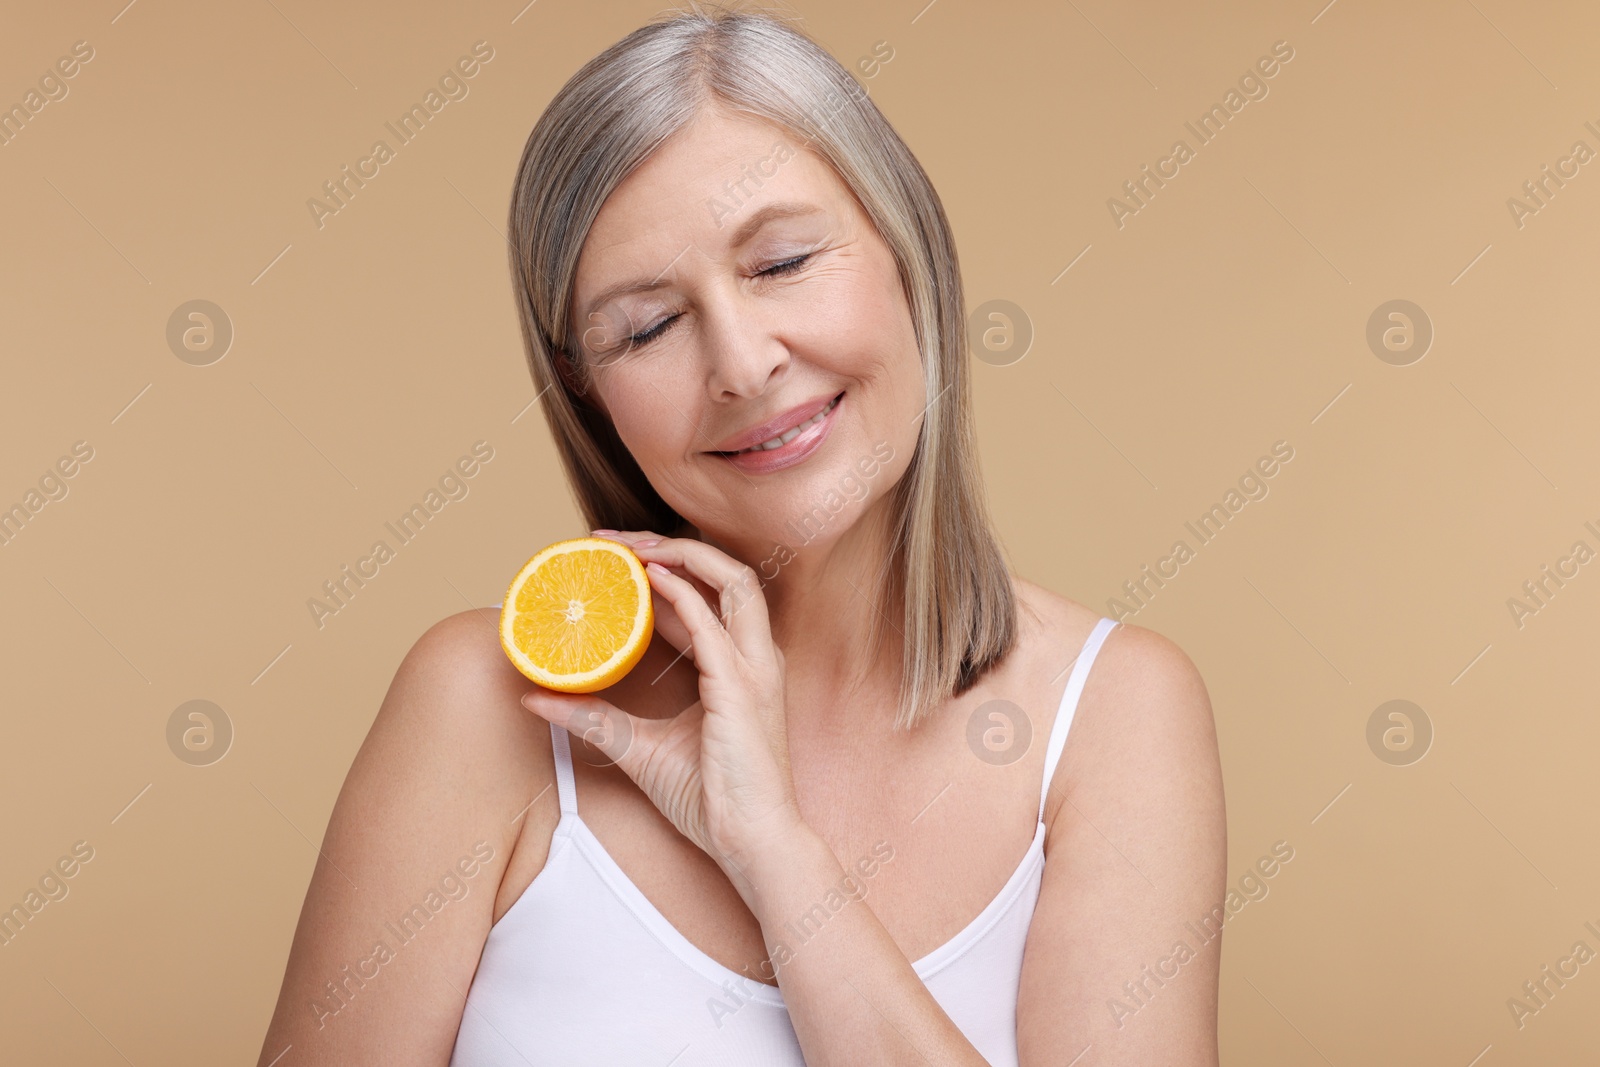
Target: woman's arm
(402,895)
(1141,768)
(852,995)
(1136,851)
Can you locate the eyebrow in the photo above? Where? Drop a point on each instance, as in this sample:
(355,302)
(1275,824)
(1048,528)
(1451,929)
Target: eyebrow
(781,209)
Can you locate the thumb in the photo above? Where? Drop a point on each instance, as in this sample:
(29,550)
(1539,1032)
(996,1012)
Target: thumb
(602,733)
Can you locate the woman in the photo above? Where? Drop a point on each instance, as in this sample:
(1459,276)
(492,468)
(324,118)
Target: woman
(854,741)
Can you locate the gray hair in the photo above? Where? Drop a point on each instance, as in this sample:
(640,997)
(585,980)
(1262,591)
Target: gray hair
(945,565)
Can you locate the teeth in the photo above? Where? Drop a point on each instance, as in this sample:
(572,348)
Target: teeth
(790,434)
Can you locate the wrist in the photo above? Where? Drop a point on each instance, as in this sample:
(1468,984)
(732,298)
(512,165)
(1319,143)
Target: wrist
(771,854)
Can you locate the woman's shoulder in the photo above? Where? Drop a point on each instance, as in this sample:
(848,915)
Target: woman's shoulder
(456,722)
(428,815)
(459,676)
(1143,708)
(1130,653)
(454,713)
(464,647)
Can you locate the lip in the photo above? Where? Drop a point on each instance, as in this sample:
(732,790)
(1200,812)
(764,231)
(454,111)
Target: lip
(765,461)
(775,425)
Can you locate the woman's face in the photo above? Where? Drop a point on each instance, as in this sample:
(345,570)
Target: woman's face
(761,292)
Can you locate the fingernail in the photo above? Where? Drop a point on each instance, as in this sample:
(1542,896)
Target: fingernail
(647,544)
(658,568)
(602,532)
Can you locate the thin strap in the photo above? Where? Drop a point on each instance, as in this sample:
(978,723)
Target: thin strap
(560,741)
(1069,703)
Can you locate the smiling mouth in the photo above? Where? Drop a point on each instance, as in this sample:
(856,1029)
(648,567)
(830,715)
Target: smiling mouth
(788,435)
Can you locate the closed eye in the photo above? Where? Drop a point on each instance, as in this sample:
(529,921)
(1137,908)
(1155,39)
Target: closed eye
(788,266)
(638,340)
(777,270)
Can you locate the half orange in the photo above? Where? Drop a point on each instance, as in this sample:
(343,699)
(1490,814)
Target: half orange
(578,615)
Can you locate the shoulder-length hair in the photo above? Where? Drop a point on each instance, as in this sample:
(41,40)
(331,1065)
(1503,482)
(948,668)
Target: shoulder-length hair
(945,567)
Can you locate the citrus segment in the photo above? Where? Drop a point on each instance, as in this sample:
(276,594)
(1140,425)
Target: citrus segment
(578,616)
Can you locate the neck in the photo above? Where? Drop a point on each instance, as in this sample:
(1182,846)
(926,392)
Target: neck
(822,601)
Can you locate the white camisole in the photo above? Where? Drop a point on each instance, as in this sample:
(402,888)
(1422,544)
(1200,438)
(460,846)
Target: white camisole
(583,969)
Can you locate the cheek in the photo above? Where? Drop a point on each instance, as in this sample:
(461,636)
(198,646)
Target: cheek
(652,415)
(862,330)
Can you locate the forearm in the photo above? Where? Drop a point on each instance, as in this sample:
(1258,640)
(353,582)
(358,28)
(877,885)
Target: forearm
(852,995)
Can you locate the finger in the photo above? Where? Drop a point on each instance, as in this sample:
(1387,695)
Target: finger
(597,726)
(713,647)
(634,539)
(741,604)
(670,627)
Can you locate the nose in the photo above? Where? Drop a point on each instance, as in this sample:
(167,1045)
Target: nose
(744,357)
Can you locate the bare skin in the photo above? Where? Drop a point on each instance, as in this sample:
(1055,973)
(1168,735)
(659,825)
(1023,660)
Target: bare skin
(1135,841)
(453,758)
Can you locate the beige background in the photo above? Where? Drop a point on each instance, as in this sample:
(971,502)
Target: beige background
(1228,314)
